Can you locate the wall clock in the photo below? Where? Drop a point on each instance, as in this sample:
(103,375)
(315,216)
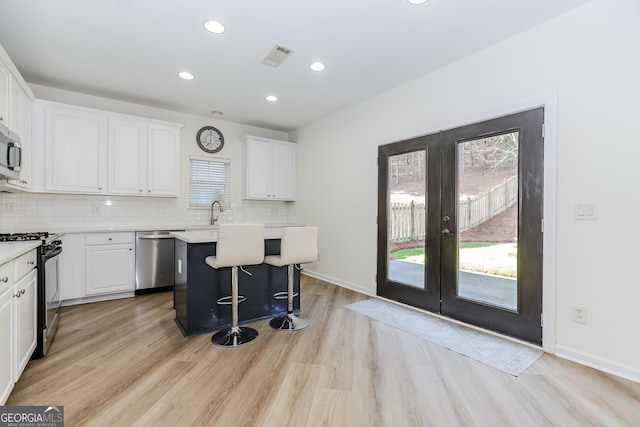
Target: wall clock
(210,139)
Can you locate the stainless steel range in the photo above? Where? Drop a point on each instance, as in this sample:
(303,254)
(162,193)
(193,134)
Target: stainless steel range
(49,298)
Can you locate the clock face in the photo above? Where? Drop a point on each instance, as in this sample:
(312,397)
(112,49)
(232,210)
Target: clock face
(210,139)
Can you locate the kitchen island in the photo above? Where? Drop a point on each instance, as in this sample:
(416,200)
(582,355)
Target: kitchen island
(198,287)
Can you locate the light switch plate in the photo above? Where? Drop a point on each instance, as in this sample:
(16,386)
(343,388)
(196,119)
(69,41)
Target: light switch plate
(585,211)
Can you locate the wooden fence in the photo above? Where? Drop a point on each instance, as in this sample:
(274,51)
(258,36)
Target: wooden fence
(406,220)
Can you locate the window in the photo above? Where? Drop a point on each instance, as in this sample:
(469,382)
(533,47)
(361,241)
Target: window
(208,181)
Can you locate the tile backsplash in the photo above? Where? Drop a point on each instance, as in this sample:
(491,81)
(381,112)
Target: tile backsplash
(59,212)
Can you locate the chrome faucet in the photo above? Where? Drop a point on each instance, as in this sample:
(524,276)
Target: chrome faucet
(214,219)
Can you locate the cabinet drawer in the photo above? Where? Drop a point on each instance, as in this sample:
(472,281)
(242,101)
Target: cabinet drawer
(7,278)
(25,263)
(109,238)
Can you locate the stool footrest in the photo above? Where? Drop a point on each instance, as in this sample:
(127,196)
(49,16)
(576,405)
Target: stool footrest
(228,300)
(284,295)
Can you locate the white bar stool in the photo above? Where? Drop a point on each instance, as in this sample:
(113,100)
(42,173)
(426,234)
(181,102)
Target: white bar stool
(298,245)
(238,245)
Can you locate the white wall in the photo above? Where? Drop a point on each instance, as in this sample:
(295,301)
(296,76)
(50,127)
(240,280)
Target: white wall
(589,58)
(29,212)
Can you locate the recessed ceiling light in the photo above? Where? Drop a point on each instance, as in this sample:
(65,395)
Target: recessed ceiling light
(417,1)
(317,66)
(186,75)
(271,98)
(215,27)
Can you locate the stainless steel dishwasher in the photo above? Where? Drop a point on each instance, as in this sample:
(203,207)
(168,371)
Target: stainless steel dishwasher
(154,261)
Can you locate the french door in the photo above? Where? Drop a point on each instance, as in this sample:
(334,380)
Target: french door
(460,223)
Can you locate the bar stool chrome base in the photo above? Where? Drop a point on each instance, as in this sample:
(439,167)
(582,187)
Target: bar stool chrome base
(290,322)
(234,336)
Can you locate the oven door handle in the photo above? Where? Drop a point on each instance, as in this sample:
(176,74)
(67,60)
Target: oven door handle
(54,253)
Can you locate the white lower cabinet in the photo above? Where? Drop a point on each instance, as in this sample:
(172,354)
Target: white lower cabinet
(110,268)
(18,319)
(26,316)
(6,346)
(97,266)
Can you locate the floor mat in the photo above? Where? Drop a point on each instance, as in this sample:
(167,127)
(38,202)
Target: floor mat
(505,355)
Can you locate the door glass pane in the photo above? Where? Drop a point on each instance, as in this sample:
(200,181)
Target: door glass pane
(406,222)
(487,184)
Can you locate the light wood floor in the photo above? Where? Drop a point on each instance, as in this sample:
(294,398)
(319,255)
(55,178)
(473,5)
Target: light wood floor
(125,363)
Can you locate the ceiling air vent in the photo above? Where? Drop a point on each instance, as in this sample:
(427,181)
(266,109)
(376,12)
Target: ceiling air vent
(277,56)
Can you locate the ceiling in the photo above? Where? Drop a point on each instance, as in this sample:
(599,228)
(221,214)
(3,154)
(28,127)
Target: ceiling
(132,50)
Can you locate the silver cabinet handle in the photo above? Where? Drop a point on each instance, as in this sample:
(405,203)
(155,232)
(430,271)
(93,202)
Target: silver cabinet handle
(31,262)
(5,279)
(17,295)
(22,291)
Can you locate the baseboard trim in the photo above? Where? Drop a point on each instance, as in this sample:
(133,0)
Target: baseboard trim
(334,281)
(97,298)
(599,363)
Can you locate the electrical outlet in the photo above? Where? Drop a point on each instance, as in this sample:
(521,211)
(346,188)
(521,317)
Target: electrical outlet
(580,314)
(97,209)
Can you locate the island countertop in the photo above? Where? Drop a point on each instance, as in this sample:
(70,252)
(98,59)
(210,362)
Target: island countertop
(209,235)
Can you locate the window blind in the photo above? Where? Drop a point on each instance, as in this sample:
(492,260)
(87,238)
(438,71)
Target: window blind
(208,181)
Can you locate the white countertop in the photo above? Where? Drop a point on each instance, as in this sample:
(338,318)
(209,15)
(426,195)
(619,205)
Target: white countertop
(211,235)
(11,250)
(142,227)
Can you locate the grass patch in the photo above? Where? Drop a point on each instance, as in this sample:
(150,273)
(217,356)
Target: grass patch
(468,245)
(405,253)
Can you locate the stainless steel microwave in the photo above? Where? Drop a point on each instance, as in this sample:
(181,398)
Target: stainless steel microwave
(10,154)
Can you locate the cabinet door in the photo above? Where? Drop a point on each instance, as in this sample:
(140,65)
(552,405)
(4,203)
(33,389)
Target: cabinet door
(127,157)
(26,320)
(75,145)
(4,94)
(283,161)
(109,269)
(15,106)
(6,344)
(258,157)
(163,161)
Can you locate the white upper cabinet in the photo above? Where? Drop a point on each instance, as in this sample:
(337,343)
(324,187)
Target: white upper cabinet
(5,76)
(269,169)
(144,158)
(97,152)
(15,106)
(163,160)
(127,154)
(75,150)
(16,100)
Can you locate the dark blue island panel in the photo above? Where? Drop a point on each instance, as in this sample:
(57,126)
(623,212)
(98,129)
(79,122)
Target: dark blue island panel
(198,287)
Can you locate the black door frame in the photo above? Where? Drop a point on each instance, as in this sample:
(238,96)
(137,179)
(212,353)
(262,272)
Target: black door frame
(530,226)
